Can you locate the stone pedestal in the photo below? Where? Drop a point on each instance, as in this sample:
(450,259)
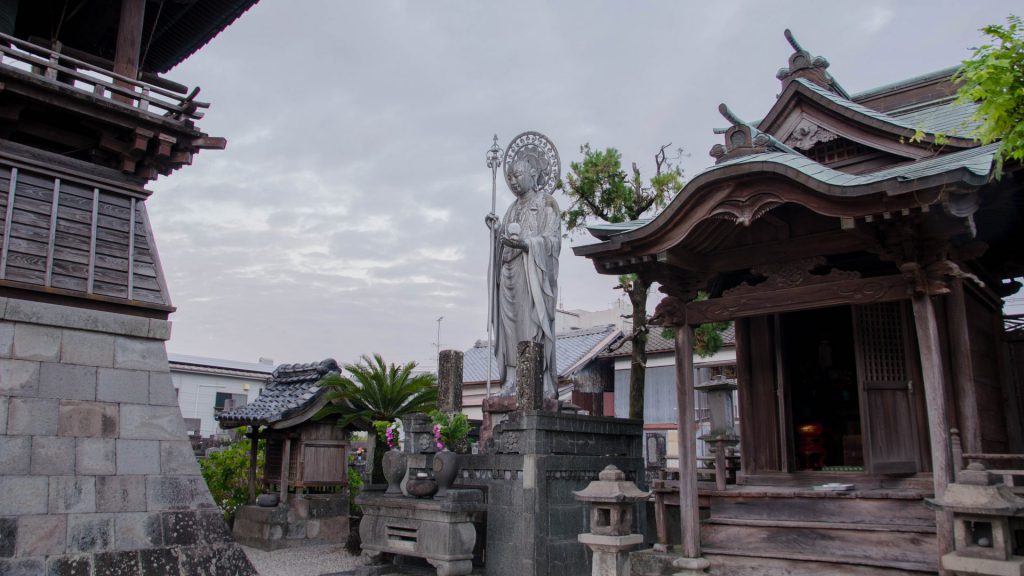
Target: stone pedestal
(539,459)
(611,553)
(440,531)
(302,521)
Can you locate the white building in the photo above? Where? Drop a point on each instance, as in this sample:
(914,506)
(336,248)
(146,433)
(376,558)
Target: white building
(206,386)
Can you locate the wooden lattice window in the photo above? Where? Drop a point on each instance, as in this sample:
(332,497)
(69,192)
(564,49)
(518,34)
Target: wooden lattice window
(836,150)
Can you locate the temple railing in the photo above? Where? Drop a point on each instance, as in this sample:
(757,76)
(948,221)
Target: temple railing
(99,81)
(1013,323)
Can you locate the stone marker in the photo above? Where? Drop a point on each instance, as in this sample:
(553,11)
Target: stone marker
(530,376)
(449,381)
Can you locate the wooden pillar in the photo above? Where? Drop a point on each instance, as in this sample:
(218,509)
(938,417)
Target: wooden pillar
(286,456)
(689,506)
(938,427)
(963,369)
(129,42)
(254,440)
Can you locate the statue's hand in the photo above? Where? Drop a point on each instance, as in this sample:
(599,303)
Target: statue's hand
(515,242)
(491,220)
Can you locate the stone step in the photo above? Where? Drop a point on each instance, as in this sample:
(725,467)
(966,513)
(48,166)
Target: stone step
(905,548)
(846,510)
(738,565)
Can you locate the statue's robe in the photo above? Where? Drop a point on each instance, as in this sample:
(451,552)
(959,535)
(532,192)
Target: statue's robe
(527,286)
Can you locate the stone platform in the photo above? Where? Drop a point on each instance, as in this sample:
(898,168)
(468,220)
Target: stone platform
(303,521)
(533,520)
(439,530)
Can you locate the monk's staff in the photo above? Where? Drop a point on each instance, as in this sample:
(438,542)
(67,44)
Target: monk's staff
(493,162)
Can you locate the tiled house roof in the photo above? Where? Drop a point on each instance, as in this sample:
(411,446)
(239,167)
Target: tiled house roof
(572,350)
(658,344)
(291,390)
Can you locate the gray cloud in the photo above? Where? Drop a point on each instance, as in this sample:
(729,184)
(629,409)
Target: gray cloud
(346,214)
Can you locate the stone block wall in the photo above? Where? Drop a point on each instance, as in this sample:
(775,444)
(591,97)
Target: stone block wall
(533,519)
(97,475)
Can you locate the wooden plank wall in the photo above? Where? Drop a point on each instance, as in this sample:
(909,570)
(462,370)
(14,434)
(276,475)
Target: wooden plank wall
(983,326)
(75,238)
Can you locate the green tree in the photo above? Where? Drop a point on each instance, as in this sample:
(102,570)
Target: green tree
(994,78)
(377,391)
(598,187)
(226,473)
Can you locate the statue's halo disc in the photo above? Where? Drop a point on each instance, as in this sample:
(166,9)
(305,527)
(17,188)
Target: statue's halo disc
(539,145)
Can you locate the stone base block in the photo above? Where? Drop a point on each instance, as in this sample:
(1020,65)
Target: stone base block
(302,521)
(440,531)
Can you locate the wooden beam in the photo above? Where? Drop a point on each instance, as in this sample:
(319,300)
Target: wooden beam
(968,419)
(8,221)
(838,242)
(129,43)
(930,351)
(254,441)
(689,507)
(286,456)
(856,291)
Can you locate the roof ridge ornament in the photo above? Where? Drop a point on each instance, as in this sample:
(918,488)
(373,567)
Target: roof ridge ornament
(813,68)
(743,139)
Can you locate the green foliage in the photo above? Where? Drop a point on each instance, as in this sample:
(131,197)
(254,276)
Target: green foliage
(707,338)
(377,391)
(451,428)
(355,484)
(226,473)
(598,187)
(994,78)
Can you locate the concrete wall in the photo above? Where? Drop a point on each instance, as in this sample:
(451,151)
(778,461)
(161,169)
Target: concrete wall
(96,473)
(197,392)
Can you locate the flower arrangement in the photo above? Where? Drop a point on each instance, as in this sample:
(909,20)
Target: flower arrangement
(449,429)
(388,431)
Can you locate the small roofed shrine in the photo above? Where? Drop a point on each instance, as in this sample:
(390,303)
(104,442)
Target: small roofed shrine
(305,457)
(862,245)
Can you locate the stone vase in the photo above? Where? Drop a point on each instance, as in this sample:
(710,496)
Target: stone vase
(394,470)
(445,469)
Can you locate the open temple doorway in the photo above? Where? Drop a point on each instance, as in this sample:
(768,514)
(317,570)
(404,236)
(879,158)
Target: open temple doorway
(819,371)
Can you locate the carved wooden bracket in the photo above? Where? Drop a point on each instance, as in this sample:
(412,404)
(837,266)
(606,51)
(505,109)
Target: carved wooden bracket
(671,311)
(791,274)
(807,134)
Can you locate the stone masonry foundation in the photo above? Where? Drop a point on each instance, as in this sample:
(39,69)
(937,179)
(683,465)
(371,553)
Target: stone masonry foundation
(96,472)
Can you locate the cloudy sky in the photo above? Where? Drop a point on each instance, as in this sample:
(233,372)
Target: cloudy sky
(346,214)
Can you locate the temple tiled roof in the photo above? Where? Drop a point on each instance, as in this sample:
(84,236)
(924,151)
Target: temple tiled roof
(975,164)
(291,389)
(572,350)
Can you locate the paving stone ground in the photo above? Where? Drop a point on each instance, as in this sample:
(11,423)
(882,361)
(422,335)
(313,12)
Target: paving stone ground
(303,561)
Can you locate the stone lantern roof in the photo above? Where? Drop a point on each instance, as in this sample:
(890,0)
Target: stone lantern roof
(611,486)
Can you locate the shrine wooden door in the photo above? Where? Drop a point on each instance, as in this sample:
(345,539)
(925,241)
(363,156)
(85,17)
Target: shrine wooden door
(887,389)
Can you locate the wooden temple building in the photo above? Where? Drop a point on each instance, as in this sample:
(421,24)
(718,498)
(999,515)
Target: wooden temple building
(305,468)
(862,246)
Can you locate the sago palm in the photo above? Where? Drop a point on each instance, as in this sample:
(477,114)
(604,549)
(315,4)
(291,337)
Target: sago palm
(375,390)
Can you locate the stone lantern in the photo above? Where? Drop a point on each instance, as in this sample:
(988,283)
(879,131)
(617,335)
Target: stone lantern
(986,524)
(611,500)
(723,435)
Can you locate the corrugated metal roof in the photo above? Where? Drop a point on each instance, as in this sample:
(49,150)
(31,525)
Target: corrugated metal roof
(202,361)
(570,348)
(292,388)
